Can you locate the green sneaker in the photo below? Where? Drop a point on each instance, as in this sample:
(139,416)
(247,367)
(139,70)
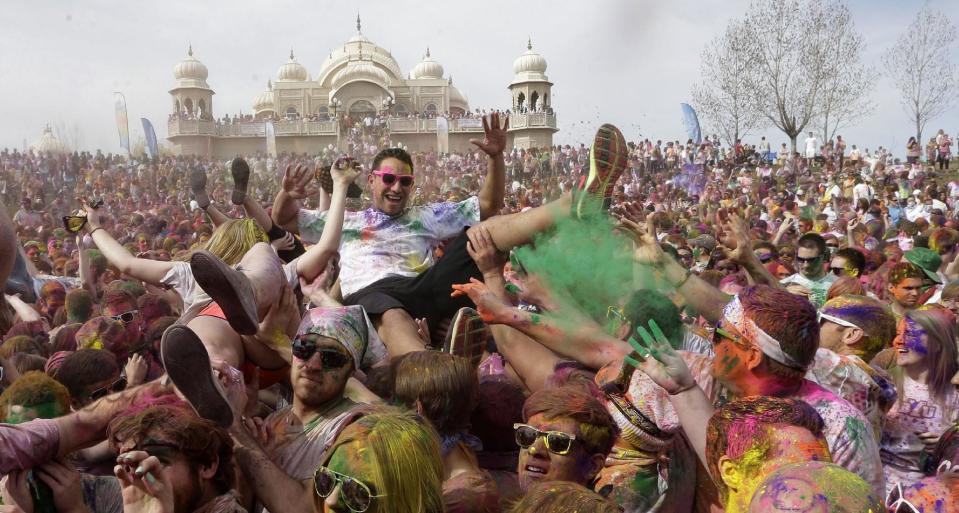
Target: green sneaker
(607,161)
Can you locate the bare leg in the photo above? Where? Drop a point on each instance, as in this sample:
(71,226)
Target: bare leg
(245,294)
(216,217)
(220,341)
(264,269)
(514,230)
(398,331)
(255,210)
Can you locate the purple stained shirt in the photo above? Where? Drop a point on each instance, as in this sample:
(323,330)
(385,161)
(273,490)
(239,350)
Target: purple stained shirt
(28,445)
(375,245)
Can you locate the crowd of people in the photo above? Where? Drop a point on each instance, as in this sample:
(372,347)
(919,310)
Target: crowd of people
(624,326)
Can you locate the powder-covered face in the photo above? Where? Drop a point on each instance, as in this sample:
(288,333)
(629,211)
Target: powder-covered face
(354,460)
(907,292)
(911,343)
(313,384)
(18,414)
(786,445)
(537,464)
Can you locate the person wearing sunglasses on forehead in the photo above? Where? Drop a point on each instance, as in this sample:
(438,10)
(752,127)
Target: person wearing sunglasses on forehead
(852,330)
(329,345)
(566,436)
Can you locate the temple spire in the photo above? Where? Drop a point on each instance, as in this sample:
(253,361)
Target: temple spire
(190,51)
(529,43)
(358,24)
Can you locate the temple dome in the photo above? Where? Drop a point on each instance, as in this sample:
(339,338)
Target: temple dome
(427,68)
(190,72)
(529,62)
(292,71)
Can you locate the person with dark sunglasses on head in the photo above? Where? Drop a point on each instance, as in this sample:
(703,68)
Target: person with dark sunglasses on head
(330,344)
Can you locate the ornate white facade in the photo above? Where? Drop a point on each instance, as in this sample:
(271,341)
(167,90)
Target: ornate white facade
(359,78)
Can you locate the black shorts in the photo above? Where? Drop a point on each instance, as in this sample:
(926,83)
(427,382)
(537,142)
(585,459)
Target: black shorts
(427,295)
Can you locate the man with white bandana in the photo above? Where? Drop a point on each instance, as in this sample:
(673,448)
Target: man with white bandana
(765,340)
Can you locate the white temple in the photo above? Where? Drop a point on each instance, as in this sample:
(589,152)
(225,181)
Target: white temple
(359,79)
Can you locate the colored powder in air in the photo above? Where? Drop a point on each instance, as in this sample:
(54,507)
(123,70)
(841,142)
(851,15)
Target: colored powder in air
(588,262)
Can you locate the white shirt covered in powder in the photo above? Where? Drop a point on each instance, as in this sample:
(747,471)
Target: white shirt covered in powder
(376,246)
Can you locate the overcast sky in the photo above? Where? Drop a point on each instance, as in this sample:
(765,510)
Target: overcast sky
(626,62)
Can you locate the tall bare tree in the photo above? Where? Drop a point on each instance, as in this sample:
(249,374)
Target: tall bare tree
(921,67)
(789,50)
(845,95)
(722,94)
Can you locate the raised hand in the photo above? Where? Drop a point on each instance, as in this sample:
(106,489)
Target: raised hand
(658,360)
(284,243)
(494,141)
(740,248)
(93,215)
(484,252)
(146,488)
(647,250)
(296,183)
(490,308)
(136,370)
(345,170)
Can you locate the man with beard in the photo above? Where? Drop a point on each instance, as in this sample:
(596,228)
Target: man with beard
(330,344)
(171,461)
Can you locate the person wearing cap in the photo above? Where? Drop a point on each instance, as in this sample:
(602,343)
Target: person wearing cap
(330,344)
(852,330)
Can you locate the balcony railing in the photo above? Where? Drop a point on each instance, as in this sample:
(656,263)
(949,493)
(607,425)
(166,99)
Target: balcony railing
(178,127)
(532,120)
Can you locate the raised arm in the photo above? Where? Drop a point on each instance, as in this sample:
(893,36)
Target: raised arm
(150,271)
(577,337)
(287,202)
(314,261)
(532,361)
(494,187)
(270,484)
(8,244)
(744,256)
(701,296)
(86,274)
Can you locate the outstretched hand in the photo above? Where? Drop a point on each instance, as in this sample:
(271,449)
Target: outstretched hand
(739,245)
(494,141)
(296,183)
(658,360)
(93,215)
(491,309)
(647,250)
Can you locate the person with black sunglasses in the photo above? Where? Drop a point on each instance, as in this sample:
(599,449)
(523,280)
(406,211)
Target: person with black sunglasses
(330,344)
(812,280)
